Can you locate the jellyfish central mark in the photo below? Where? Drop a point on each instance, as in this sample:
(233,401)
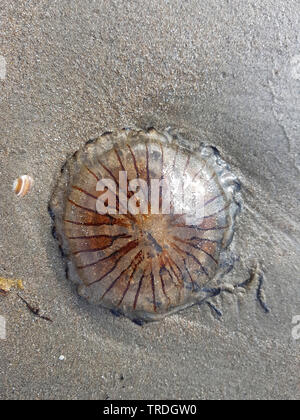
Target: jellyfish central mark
(151,231)
(156,245)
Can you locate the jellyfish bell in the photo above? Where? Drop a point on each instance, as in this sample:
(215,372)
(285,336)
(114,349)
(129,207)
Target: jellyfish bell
(22,185)
(144,220)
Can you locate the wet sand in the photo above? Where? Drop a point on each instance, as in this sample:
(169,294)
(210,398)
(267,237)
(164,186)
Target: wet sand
(223,73)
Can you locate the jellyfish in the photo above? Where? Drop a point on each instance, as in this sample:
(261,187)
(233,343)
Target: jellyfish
(145,220)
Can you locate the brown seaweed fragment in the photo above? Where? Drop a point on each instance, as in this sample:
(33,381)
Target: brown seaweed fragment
(35,310)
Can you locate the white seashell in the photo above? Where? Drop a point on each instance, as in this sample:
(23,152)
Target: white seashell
(22,185)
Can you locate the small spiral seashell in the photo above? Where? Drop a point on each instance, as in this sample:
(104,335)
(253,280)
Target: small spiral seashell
(22,185)
(145,219)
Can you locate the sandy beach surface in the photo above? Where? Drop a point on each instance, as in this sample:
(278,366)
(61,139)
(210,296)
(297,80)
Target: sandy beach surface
(223,72)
